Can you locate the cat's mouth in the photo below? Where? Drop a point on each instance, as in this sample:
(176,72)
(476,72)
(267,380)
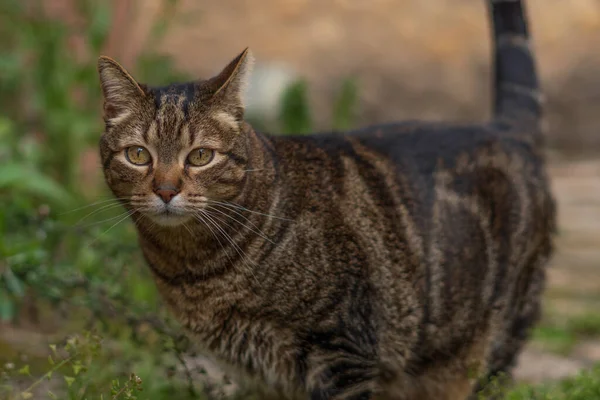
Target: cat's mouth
(171,213)
(169,218)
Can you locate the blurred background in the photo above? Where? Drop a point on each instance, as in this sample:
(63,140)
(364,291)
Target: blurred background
(79,313)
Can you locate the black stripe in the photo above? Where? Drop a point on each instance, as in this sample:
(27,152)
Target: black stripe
(108,160)
(239,160)
(268,146)
(186,278)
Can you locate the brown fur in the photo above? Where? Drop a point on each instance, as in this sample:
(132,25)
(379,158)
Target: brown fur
(403,261)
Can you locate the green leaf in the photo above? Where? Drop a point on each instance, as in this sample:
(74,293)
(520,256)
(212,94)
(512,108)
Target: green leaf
(24,370)
(69,380)
(99,27)
(19,177)
(7,307)
(26,395)
(13,283)
(50,360)
(6,127)
(294,112)
(344,108)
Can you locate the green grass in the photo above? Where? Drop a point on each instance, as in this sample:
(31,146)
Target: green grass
(562,334)
(584,386)
(555,339)
(586,325)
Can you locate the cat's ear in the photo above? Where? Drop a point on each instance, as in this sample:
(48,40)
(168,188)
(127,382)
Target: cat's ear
(122,94)
(229,86)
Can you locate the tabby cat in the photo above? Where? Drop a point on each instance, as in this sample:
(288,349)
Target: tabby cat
(399,261)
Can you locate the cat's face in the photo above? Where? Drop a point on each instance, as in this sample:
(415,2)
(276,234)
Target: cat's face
(167,152)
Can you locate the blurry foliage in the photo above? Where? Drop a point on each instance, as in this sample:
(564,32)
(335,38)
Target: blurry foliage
(583,386)
(77,263)
(295,116)
(344,109)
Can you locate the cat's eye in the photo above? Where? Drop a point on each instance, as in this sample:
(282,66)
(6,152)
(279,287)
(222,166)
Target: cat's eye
(200,157)
(138,155)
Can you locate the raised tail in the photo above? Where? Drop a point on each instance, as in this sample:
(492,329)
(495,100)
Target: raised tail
(517,92)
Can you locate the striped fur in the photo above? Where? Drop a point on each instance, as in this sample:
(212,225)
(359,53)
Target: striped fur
(401,261)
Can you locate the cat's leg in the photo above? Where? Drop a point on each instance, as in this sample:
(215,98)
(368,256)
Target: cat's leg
(342,376)
(524,312)
(343,385)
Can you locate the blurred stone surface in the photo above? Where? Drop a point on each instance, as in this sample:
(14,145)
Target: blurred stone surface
(535,366)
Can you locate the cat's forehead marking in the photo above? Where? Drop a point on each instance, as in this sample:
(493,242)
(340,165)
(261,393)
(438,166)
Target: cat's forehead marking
(181,94)
(171,116)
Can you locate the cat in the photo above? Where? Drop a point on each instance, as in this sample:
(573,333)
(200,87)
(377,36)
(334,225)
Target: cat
(398,261)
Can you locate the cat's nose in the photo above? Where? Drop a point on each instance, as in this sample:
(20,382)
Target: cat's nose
(166,194)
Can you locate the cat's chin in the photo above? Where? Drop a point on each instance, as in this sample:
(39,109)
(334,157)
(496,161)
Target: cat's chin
(169,219)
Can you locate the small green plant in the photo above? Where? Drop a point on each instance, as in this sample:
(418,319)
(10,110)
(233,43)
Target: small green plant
(68,373)
(583,386)
(295,115)
(75,263)
(127,390)
(344,107)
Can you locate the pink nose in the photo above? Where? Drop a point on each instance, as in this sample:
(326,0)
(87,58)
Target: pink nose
(166,194)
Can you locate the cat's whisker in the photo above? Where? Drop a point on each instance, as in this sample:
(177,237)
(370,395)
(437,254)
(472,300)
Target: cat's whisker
(199,218)
(188,229)
(211,218)
(254,170)
(141,215)
(237,248)
(258,231)
(96,203)
(105,207)
(104,220)
(244,257)
(237,206)
(127,215)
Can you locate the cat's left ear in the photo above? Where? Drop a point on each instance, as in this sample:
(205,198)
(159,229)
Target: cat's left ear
(122,94)
(229,86)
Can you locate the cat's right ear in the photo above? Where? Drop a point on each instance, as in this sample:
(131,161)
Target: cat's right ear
(122,94)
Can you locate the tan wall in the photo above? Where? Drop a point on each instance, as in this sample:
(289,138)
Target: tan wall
(412,58)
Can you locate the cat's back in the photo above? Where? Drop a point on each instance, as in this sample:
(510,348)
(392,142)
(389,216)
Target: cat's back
(415,153)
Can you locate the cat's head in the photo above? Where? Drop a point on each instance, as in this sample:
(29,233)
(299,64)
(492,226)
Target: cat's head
(167,150)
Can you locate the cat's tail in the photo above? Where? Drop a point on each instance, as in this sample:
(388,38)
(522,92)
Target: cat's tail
(517,92)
